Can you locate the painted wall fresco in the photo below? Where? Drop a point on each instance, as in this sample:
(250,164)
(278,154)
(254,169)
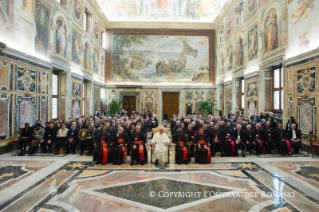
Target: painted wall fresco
(42,17)
(253,43)
(251,8)
(160,58)
(96,60)
(87,57)
(306,80)
(303,20)
(76,47)
(271,31)
(161,10)
(239,52)
(61,37)
(25,110)
(76,108)
(77,10)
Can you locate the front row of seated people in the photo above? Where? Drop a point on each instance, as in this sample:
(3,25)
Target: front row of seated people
(109,145)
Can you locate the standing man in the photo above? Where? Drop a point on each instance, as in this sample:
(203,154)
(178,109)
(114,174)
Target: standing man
(165,118)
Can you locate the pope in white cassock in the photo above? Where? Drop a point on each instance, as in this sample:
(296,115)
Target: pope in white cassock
(161,142)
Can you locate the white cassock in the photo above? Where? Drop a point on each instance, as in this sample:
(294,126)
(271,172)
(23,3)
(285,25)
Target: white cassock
(160,152)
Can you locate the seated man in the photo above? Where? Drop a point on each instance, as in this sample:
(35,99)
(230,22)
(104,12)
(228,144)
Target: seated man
(72,139)
(250,144)
(118,148)
(61,138)
(270,136)
(295,138)
(284,146)
(239,138)
(139,152)
(191,139)
(216,144)
(181,148)
(161,142)
(83,134)
(37,136)
(101,153)
(230,149)
(258,139)
(48,138)
(25,138)
(202,155)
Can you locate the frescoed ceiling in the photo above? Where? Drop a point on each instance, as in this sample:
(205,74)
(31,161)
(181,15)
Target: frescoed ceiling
(201,11)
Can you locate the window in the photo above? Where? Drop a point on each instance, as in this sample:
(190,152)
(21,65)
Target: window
(277,88)
(242,103)
(87,20)
(104,44)
(55,95)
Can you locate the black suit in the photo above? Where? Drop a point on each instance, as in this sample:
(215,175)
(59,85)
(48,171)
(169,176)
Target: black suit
(295,145)
(24,142)
(250,145)
(216,147)
(242,142)
(72,134)
(271,137)
(256,119)
(49,134)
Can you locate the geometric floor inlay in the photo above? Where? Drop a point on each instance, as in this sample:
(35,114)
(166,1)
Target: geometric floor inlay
(162,193)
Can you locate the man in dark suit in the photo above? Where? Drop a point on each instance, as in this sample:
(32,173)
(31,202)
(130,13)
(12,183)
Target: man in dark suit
(294,137)
(255,118)
(270,136)
(48,138)
(216,141)
(72,139)
(25,138)
(96,114)
(240,140)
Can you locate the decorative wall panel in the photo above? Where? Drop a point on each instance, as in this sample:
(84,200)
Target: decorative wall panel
(252,89)
(148,96)
(6,76)
(251,108)
(306,80)
(76,108)
(62,108)
(5,115)
(210,95)
(26,79)
(25,110)
(76,92)
(189,95)
(63,85)
(43,82)
(199,96)
(291,83)
(268,95)
(290,107)
(43,110)
(306,115)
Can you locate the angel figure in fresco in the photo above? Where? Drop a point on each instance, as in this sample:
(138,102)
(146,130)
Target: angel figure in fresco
(251,5)
(271,31)
(302,10)
(87,65)
(253,43)
(61,38)
(77,48)
(239,53)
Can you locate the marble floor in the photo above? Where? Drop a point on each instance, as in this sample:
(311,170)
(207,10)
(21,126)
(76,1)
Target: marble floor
(74,183)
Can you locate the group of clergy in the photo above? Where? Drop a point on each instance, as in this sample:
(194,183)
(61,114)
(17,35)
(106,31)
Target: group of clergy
(111,139)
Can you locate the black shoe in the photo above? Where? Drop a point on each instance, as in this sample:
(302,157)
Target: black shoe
(186,163)
(156,163)
(131,164)
(179,164)
(20,154)
(142,163)
(56,153)
(103,163)
(243,155)
(250,152)
(81,153)
(66,153)
(73,153)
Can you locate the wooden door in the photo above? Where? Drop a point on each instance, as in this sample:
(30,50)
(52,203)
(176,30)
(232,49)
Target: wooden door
(129,104)
(170,104)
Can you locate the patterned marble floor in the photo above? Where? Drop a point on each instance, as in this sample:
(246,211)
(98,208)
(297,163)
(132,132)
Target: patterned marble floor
(74,183)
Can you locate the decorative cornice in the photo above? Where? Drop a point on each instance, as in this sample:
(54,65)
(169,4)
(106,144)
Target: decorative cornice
(58,65)
(25,58)
(158,25)
(302,58)
(2,46)
(251,75)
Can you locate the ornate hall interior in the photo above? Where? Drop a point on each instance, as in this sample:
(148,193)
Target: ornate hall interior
(159,105)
